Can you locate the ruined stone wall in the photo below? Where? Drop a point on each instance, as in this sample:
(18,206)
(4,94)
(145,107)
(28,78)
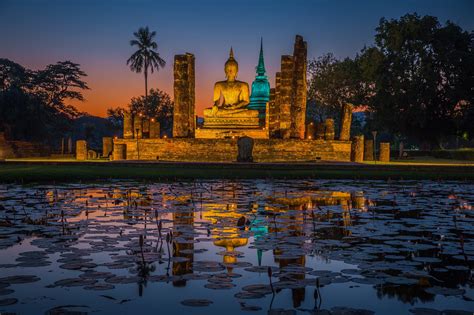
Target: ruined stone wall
(225,150)
(20,149)
(298,104)
(184,120)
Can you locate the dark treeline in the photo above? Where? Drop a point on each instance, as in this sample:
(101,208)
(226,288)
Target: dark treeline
(32,103)
(415,83)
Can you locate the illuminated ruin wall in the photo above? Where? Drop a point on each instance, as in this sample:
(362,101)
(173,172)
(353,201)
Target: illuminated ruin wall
(225,150)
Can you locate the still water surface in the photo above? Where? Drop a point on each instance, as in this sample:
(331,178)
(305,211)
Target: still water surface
(233,247)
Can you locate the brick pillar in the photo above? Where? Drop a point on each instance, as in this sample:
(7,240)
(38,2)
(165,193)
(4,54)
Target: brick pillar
(273,123)
(329,129)
(184,121)
(128,131)
(120,152)
(346,121)
(384,154)
(298,102)
(107,146)
(368,150)
(137,127)
(81,150)
(357,149)
(154,129)
(285,96)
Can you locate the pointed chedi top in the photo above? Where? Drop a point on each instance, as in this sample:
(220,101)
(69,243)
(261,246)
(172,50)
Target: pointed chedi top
(261,62)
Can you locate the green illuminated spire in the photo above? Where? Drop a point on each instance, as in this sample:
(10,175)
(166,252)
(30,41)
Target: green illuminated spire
(261,62)
(260,86)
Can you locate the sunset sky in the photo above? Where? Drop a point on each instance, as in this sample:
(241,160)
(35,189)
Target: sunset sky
(96,35)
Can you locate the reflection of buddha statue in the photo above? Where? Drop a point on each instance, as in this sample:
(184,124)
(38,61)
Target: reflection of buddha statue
(231,98)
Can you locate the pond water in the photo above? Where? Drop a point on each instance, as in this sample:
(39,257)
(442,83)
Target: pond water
(233,247)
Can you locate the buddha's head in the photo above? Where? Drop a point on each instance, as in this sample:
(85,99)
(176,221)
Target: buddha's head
(231,67)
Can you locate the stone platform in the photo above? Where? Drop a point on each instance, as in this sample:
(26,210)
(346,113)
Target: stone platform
(230,133)
(225,150)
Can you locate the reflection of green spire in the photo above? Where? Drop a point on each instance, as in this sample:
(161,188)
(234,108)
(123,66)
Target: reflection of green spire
(261,63)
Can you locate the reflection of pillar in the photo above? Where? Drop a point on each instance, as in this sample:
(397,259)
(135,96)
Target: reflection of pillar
(298,294)
(329,129)
(346,215)
(358,200)
(384,155)
(346,121)
(128,125)
(183,221)
(368,150)
(357,149)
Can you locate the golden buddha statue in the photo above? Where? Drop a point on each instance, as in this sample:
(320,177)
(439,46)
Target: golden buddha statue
(231,98)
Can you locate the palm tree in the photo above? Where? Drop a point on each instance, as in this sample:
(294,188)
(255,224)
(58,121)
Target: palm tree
(146,57)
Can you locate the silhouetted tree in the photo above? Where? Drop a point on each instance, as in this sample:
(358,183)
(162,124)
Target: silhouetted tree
(146,57)
(421,75)
(32,102)
(59,82)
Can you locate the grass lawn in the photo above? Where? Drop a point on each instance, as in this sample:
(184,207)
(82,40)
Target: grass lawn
(53,171)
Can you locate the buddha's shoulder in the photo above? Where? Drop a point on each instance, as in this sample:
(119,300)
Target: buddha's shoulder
(241,82)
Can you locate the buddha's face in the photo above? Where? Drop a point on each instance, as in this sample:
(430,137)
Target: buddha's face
(231,71)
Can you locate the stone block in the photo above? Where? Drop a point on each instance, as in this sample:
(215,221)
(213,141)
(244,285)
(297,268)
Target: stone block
(92,155)
(81,150)
(384,154)
(357,149)
(245,149)
(107,146)
(368,150)
(120,152)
